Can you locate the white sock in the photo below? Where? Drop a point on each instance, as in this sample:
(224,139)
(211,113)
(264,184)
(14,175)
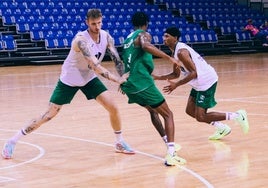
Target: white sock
(118,136)
(171,148)
(231,115)
(218,124)
(17,136)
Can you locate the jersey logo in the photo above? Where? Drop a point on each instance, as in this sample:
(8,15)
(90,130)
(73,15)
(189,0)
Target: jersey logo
(98,55)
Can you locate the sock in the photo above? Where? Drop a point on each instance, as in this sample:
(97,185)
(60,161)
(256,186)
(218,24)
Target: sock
(165,138)
(17,136)
(218,124)
(171,148)
(231,115)
(118,136)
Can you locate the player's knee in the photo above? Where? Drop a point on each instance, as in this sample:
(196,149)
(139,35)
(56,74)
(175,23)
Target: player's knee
(168,115)
(52,112)
(113,109)
(200,118)
(188,112)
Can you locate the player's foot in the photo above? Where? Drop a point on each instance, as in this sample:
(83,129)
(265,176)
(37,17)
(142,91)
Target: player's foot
(243,120)
(173,160)
(123,147)
(220,132)
(8,150)
(177,147)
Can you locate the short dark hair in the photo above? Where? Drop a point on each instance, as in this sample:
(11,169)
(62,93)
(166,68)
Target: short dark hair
(173,31)
(94,13)
(139,19)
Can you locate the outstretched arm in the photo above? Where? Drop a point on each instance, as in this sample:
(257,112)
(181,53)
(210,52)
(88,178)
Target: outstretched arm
(79,44)
(113,53)
(172,75)
(144,40)
(185,58)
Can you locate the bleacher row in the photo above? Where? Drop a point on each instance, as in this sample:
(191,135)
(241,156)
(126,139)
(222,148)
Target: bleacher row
(56,21)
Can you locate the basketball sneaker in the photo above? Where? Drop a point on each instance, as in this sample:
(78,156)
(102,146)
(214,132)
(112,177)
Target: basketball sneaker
(242,119)
(220,132)
(8,150)
(123,147)
(173,160)
(177,147)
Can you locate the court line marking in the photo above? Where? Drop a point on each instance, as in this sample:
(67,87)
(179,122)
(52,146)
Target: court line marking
(191,172)
(4,179)
(41,153)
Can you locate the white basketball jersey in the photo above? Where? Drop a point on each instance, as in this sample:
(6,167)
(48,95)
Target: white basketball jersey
(75,69)
(206,74)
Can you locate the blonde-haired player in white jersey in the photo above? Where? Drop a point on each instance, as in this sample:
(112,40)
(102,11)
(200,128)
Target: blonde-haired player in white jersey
(203,79)
(79,72)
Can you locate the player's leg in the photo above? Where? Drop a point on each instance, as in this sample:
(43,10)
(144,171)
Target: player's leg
(96,89)
(171,158)
(107,102)
(157,122)
(167,115)
(62,94)
(190,107)
(34,124)
(205,100)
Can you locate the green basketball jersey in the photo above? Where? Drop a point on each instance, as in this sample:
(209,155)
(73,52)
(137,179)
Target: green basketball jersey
(139,63)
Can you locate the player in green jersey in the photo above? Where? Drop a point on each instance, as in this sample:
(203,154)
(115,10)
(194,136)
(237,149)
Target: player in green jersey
(140,86)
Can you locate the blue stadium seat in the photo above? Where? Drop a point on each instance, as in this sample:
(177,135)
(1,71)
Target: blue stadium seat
(157,40)
(9,43)
(243,36)
(1,45)
(50,41)
(8,20)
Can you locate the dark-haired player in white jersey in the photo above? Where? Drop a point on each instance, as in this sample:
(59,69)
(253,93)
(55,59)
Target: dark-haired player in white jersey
(79,73)
(203,79)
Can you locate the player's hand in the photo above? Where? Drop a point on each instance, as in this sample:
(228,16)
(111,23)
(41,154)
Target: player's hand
(126,75)
(174,61)
(169,88)
(121,91)
(123,78)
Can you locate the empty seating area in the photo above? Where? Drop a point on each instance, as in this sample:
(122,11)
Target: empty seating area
(7,44)
(51,24)
(226,17)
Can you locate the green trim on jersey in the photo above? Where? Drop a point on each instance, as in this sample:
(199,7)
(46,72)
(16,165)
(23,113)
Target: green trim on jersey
(139,63)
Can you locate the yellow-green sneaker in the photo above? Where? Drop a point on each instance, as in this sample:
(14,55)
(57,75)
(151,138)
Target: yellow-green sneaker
(177,147)
(242,119)
(220,132)
(173,160)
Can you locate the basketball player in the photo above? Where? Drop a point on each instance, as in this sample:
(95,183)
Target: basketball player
(203,78)
(140,87)
(79,73)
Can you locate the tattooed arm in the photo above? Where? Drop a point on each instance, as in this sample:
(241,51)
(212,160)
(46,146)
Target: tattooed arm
(79,44)
(112,51)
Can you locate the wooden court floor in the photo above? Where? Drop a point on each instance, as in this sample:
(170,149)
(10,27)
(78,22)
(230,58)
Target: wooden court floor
(75,149)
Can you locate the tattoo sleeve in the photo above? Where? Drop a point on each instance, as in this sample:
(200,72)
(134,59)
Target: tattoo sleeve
(82,45)
(117,61)
(94,63)
(113,53)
